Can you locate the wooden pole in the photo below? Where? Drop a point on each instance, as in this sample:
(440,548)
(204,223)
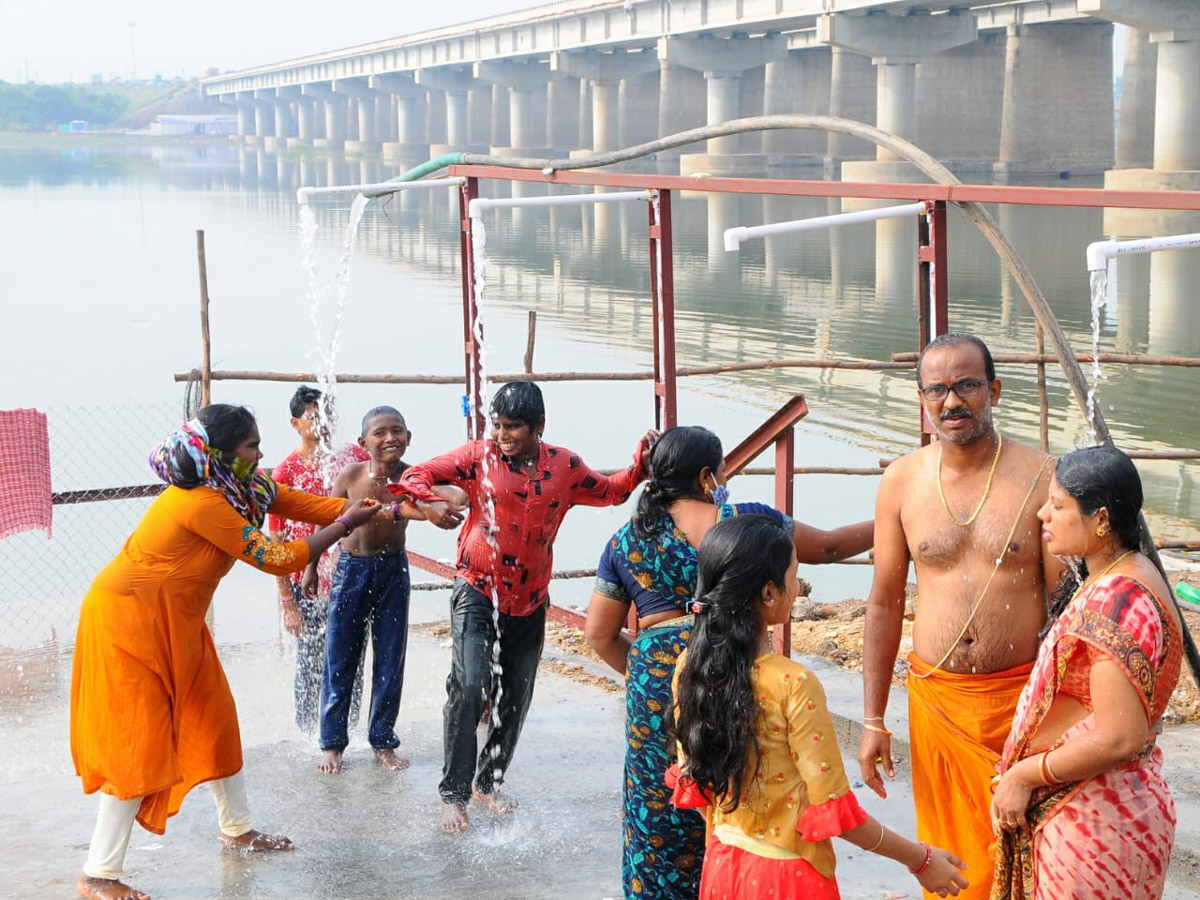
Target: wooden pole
(1043,404)
(205,342)
(529,341)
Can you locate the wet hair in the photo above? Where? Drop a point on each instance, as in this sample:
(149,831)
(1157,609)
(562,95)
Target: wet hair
(227,426)
(714,718)
(675,463)
(520,401)
(955,339)
(1099,477)
(380,411)
(304,397)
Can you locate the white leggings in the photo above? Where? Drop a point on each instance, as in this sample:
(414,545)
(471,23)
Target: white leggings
(114,824)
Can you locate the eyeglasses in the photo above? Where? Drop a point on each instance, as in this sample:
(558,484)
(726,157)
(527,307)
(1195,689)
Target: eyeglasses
(965,389)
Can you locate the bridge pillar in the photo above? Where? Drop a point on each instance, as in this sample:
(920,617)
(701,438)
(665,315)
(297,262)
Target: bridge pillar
(851,80)
(961,105)
(895,44)
(562,112)
(680,106)
(1174,29)
(408,100)
(603,73)
(637,108)
(525,86)
(1058,107)
(723,61)
(455,85)
(1135,126)
(304,118)
(435,117)
(797,84)
(365,140)
(264,116)
(245,118)
(283,123)
(333,109)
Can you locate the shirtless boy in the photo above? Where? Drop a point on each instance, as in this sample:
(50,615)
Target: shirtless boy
(964,511)
(370,589)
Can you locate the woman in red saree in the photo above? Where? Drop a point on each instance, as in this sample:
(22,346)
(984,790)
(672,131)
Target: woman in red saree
(1081,803)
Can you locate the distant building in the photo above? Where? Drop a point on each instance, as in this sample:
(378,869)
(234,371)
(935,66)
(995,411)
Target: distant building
(171,125)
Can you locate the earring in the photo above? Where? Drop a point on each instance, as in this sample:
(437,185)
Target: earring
(1102,530)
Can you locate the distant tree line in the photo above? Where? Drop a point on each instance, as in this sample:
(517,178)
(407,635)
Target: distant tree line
(41,107)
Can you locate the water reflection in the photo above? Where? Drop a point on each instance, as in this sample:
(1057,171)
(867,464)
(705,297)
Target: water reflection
(844,293)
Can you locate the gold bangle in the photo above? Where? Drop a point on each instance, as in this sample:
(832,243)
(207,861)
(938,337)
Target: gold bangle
(1047,772)
(882,832)
(867,726)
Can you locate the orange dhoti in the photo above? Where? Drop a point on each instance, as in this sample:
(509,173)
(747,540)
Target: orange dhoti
(957,728)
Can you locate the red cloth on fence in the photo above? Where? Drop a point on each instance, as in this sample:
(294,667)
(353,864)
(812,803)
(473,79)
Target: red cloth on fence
(24,472)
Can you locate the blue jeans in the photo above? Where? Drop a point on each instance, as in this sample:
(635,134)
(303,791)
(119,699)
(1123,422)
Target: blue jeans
(473,683)
(310,663)
(367,591)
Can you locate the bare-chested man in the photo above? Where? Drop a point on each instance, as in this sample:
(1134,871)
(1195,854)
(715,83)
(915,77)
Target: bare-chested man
(964,510)
(371,588)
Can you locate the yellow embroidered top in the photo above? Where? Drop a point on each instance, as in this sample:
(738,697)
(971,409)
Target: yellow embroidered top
(798,775)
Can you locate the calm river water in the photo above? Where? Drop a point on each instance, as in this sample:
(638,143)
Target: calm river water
(100,296)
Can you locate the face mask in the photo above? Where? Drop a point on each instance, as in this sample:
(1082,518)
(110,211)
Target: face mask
(720,495)
(243,469)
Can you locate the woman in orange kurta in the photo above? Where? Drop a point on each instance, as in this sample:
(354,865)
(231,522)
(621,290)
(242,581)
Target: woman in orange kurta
(756,744)
(152,715)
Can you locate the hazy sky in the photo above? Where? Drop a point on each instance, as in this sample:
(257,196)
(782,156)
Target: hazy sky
(63,40)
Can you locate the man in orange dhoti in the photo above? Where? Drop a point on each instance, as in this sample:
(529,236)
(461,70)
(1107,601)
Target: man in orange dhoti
(963,510)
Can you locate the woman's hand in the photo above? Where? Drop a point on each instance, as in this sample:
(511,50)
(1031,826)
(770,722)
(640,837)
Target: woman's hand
(1011,798)
(310,583)
(293,620)
(360,512)
(943,875)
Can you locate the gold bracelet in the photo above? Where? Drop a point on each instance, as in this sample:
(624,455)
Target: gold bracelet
(869,727)
(882,832)
(1047,772)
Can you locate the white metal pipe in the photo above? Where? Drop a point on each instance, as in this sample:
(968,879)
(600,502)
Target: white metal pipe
(479,204)
(1100,252)
(387,187)
(734,236)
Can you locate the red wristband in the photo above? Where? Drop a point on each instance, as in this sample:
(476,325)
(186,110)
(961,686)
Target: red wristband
(928,859)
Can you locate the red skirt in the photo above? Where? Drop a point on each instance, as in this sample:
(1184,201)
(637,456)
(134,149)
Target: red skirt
(731,873)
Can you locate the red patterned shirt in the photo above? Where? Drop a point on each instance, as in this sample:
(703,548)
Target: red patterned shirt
(304,475)
(530,505)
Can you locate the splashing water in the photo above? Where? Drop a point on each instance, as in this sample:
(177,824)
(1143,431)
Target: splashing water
(1099,300)
(327,353)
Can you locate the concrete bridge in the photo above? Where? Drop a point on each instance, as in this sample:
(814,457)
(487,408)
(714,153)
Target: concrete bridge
(1017,88)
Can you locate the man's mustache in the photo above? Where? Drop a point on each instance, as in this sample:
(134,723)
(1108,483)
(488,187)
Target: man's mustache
(956,414)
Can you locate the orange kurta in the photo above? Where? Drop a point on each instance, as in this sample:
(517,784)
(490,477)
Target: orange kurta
(958,724)
(152,715)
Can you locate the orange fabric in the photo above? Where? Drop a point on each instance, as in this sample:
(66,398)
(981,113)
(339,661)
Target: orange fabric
(957,726)
(152,715)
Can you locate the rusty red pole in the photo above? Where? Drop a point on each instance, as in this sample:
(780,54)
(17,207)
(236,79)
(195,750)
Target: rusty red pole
(472,410)
(785,454)
(662,290)
(932,279)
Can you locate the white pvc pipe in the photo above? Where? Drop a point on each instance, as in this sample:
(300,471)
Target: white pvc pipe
(1100,252)
(479,204)
(734,236)
(387,187)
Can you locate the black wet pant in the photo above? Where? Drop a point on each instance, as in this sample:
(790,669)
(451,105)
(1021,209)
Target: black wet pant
(476,679)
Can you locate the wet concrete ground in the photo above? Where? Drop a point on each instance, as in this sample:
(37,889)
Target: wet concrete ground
(372,834)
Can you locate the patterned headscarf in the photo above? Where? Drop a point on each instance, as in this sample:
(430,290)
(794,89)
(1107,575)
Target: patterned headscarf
(246,489)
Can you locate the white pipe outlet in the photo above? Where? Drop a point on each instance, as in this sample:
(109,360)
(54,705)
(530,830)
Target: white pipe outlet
(479,204)
(734,236)
(1100,252)
(387,187)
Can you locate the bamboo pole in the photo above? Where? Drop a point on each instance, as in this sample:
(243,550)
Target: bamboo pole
(205,341)
(1131,359)
(1043,405)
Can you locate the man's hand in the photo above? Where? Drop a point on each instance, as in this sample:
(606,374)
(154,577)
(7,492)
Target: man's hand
(441,514)
(310,583)
(876,748)
(645,444)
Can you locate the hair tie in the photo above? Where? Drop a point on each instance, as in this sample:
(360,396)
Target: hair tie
(697,607)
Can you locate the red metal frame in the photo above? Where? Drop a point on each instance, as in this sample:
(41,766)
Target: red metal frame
(473,411)
(933,292)
(662,255)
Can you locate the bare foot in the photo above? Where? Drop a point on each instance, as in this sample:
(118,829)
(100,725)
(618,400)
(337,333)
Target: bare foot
(257,842)
(454,818)
(495,801)
(107,889)
(390,761)
(331,762)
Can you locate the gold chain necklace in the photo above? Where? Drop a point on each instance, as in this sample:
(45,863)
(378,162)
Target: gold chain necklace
(1092,579)
(986,488)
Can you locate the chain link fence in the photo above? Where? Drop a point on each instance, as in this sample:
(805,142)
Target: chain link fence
(102,485)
